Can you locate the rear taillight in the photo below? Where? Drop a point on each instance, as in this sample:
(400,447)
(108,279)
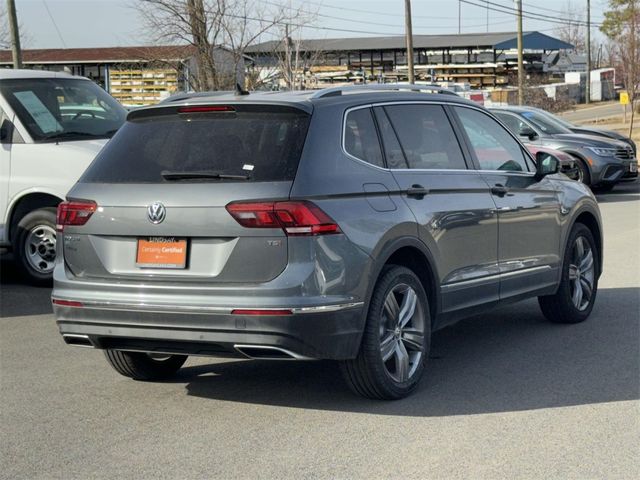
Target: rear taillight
(295,218)
(74,213)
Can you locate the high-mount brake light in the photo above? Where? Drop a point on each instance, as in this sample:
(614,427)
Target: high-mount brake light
(206,109)
(74,213)
(295,217)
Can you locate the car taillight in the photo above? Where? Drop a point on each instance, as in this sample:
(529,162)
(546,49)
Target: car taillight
(74,213)
(295,218)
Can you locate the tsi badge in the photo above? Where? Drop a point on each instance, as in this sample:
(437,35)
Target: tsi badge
(156,213)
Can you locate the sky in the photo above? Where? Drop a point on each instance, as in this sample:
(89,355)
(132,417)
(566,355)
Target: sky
(107,23)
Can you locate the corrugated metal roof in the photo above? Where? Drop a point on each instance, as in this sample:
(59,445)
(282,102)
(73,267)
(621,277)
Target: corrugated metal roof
(101,55)
(532,41)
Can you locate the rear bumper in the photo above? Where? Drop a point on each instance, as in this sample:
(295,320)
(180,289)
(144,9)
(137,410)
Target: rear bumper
(330,331)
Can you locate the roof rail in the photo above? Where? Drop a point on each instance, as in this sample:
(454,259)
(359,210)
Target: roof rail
(337,91)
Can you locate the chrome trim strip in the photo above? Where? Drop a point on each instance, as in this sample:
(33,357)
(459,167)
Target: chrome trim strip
(204,310)
(497,276)
(327,308)
(293,355)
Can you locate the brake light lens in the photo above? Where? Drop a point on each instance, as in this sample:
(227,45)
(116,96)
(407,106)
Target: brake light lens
(295,218)
(206,109)
(74,213)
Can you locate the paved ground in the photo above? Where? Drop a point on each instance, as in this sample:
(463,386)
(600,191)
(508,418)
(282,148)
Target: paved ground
(596,112)
(508,396)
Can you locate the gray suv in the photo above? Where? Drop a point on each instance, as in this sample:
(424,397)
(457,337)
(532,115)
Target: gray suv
(345,224)
(602,162)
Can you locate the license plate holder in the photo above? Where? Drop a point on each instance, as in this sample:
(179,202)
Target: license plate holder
(633,167)
(162,253)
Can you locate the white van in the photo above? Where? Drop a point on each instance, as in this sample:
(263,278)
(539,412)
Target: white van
(52,125)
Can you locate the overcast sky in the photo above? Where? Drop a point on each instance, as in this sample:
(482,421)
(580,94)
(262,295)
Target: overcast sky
(106,23)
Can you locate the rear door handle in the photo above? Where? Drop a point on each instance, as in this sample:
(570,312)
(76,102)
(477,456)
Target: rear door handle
(499,190)
(417,191)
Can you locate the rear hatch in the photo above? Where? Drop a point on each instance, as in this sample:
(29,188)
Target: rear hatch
(156,197)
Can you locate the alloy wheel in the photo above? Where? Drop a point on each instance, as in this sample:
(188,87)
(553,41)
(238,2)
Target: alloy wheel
(402,333)
(581,273)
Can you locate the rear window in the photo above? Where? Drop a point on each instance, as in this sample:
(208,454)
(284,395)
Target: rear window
(258,145)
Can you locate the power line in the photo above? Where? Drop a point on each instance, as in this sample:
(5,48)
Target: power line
(529,15)
(367,22)
(54,24)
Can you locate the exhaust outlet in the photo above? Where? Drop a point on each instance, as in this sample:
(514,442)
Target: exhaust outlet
(77,340)
(266,352)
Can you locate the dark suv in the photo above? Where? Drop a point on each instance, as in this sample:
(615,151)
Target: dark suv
(344,224)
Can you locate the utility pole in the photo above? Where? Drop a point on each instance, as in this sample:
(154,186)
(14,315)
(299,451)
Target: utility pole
(15,34)
(409,35)
(520,56)
(588,92)
(459,17)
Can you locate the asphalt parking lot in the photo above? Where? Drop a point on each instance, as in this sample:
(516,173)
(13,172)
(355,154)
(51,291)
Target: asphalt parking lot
(508,395)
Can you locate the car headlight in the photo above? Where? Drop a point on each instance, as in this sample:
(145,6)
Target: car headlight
(603,152)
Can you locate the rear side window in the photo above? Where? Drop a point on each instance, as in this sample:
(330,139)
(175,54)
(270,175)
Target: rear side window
(259,145)
(360,137)
(426,137)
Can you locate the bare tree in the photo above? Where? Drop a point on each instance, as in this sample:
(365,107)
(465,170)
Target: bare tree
(573,30)
(210,25)
(5,34)
(620,25)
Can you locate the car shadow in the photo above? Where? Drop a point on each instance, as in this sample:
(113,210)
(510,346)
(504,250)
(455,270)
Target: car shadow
(622,192)
(17,297)
(508,360)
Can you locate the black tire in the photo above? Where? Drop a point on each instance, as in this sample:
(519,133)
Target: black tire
(584,175)
(560,307)
(43,220)
(368,375)
(141,366)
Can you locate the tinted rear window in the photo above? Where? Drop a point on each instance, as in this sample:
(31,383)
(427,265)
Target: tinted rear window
(263,145)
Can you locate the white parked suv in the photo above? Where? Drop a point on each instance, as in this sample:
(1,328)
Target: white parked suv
(52,125)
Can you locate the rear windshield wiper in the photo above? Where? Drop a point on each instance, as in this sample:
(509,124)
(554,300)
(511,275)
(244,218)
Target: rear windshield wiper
(173,176)
(60,135)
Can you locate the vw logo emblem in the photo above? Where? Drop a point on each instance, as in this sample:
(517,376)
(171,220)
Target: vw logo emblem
(156,213)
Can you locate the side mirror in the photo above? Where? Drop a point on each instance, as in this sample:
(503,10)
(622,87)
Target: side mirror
(546,164)
(528,132)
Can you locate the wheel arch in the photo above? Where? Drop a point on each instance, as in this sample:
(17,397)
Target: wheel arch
(589,220)
(410,252)
(28,203)
(581,158)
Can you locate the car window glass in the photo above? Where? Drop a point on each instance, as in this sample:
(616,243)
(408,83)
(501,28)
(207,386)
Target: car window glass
(545,123)
(260,144)
(513,123)
(426,136)
(63,108)
(392,150)
(495,149)
(360,137)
